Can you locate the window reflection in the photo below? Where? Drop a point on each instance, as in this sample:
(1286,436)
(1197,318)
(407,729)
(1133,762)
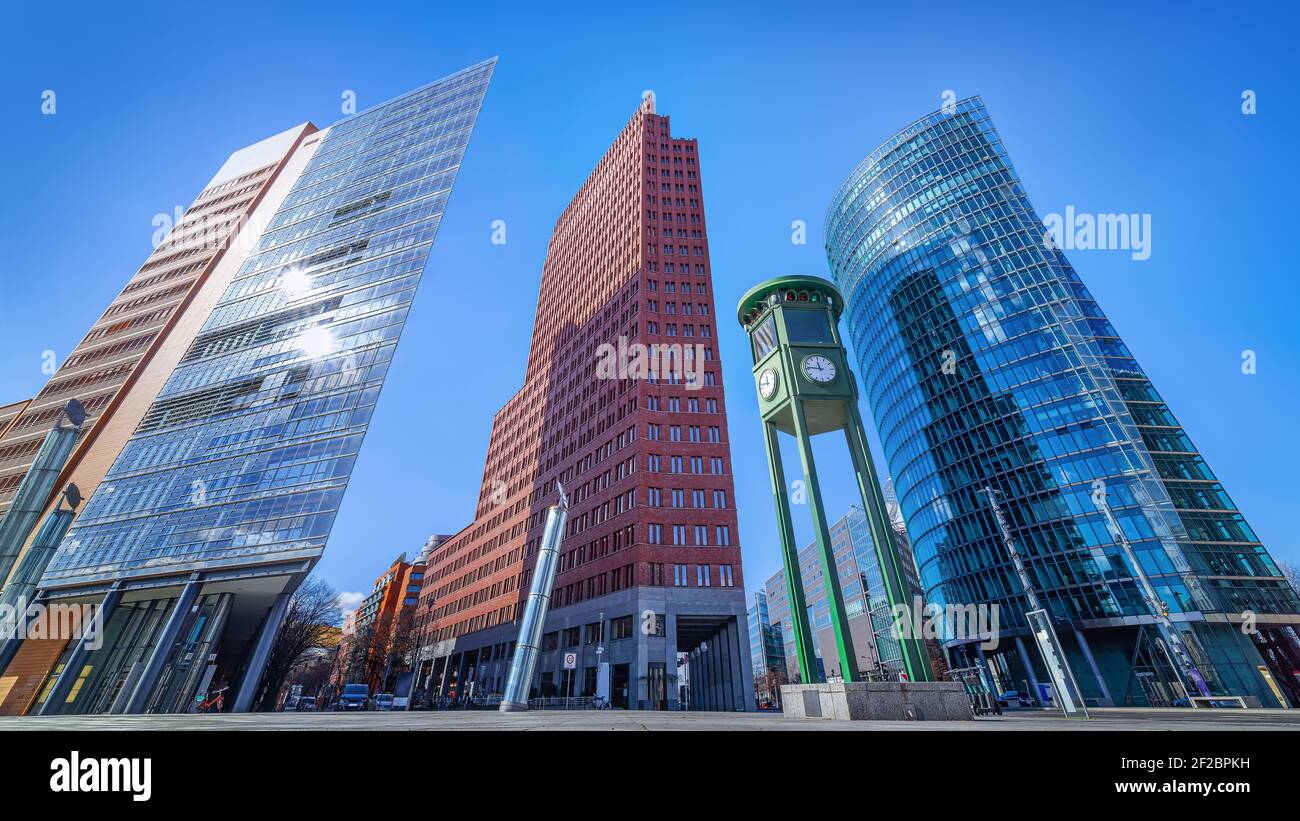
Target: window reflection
(764,338)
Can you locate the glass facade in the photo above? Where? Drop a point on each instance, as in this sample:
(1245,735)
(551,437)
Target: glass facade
(244,456)
(986,362)
(766,652)
(865,605)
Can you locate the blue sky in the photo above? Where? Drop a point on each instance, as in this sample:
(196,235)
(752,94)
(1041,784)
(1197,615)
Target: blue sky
(1121,109)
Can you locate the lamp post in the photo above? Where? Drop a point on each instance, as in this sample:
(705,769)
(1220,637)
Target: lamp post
(1040,624)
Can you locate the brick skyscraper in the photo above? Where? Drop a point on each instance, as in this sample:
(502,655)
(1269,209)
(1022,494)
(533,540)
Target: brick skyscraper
(650,562)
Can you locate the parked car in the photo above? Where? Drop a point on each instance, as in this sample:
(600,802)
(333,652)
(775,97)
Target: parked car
(1015,699)
(384,701)
(401,703)
(353,697)
(307,704)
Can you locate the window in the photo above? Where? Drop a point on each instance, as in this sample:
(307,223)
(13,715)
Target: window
(764,338)
(621,627)
(808,325)
(572,636)
(679,575)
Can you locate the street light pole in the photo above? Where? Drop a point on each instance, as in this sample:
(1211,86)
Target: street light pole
(1040,623)
(1158,607)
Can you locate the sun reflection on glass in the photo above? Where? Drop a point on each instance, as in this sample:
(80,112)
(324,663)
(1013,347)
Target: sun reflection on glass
(315,342)
(295,281)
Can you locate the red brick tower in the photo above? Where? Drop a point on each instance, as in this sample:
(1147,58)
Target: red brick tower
(622,403)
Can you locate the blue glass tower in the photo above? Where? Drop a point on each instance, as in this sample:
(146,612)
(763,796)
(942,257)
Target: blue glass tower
(223,498)
(986,362)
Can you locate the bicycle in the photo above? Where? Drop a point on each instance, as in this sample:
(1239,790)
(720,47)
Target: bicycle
(598,703)
(211,704)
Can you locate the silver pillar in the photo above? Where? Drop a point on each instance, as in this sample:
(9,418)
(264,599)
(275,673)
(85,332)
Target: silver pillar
(260,653)
(524,663)
(92,632)
(162,648)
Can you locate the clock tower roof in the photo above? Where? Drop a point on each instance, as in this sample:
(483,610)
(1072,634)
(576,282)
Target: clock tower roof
(793,288)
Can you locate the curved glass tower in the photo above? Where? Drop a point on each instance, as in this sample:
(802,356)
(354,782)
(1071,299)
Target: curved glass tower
(987,363)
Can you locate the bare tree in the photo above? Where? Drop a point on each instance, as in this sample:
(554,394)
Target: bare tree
(313,610)
(1291,572)
(401,649)
(358,663)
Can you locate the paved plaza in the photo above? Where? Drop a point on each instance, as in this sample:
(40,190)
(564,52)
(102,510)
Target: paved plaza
(589,720)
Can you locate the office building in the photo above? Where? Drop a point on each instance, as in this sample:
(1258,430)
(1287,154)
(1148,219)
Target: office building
(222,499)
(766,653)
(382,638)
(987,362)
(650,562)
(127,355)
(117,368)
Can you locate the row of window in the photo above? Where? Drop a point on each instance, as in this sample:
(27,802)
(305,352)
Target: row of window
(699,534)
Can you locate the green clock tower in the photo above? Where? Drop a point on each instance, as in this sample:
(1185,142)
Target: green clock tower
(805,388)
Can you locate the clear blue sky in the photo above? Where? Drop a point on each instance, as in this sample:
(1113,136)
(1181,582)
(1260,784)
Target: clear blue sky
(1115,108)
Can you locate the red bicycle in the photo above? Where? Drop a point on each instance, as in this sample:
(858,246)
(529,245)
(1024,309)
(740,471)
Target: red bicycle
(211,704)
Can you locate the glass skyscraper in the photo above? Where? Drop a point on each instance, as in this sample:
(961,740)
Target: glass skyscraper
(987,362)
(223,498)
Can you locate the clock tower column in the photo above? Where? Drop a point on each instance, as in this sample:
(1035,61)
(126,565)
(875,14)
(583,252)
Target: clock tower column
(805,388)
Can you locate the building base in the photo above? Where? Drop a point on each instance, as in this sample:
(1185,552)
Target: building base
(513,707)
(878,701)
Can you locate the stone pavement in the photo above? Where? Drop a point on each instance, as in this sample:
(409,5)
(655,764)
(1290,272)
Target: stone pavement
(1103,719)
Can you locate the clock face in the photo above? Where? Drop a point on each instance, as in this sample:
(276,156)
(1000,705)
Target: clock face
(819,369)
(767,383)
